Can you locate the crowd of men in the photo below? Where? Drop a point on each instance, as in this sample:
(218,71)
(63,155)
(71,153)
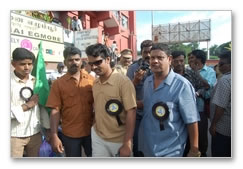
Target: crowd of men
(151,107)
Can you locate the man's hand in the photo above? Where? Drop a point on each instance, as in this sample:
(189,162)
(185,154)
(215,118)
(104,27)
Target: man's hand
(56,144)
(125,150)
(138,76)
(212,129)
(33,101)
(194,153)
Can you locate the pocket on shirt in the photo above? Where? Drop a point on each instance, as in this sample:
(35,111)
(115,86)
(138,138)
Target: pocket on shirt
(69,100)
(112,96)
(173,116)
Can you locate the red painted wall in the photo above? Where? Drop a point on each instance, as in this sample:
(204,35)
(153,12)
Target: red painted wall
(125,38)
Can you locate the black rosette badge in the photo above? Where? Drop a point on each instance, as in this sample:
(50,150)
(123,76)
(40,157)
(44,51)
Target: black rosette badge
(114,108)
(160,111)
(26,93)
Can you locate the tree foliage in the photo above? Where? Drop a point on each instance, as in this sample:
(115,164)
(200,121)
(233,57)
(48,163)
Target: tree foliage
(186,47)
(222,48)
(214,50)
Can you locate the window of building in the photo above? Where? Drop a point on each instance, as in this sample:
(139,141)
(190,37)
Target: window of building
(124,22)
(117,15)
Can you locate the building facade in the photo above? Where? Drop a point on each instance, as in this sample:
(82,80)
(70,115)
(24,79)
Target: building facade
(108,27)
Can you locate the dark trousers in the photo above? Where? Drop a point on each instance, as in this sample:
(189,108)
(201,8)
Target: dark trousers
(73,146)
(203,134)
(187,148)
(221,146)
(135,136)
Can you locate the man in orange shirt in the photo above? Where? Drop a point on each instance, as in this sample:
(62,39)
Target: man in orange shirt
(71,101)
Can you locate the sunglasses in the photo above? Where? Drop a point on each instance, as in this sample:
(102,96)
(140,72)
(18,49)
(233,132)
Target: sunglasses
(96,63)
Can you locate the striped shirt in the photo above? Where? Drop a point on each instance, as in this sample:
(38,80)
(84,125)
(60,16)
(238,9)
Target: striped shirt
(23,124)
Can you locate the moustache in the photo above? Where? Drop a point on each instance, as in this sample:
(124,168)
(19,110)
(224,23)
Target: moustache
(73,66)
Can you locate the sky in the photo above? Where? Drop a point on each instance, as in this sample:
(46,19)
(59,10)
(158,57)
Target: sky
(220,23)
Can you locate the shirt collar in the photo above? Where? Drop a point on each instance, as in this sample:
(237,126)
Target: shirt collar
(83,74)
(168,80)
(17,79)
(205,67)
(110,80)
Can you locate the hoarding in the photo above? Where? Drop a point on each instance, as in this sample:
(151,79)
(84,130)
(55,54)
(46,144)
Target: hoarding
(85,38)
(196,31)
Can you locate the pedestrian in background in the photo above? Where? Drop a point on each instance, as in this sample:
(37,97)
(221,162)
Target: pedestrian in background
(74,23)
(220,128)
(125,61)
(198,60)
(137,73)
(79,24)
(57,74)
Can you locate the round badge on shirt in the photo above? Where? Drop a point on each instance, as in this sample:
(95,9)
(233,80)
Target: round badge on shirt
(114,107)
(26,93)
(160,111)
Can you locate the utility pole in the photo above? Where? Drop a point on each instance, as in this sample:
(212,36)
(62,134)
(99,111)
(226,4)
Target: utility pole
(152,20)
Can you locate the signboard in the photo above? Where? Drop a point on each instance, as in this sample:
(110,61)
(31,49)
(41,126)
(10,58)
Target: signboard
(82,39)
(183,32)
(68,36)
(52,52)
(36,29)
(27,32)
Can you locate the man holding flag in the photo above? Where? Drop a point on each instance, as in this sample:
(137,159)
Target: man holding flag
(26,119)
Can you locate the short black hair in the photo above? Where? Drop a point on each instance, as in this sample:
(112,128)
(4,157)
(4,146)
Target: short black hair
(162,47)
(97,50)
(200,54)
(146,43)
(177,53)
(70,51)
(226,55)
(84,63)
(22,53)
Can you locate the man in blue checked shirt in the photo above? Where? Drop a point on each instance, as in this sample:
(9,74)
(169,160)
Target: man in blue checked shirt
(170,112)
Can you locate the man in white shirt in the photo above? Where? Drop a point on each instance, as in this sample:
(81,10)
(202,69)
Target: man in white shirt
(55,75)
(25,112)
(79,24)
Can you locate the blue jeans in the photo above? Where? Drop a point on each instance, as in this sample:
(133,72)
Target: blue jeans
(221,146)
(73,146)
